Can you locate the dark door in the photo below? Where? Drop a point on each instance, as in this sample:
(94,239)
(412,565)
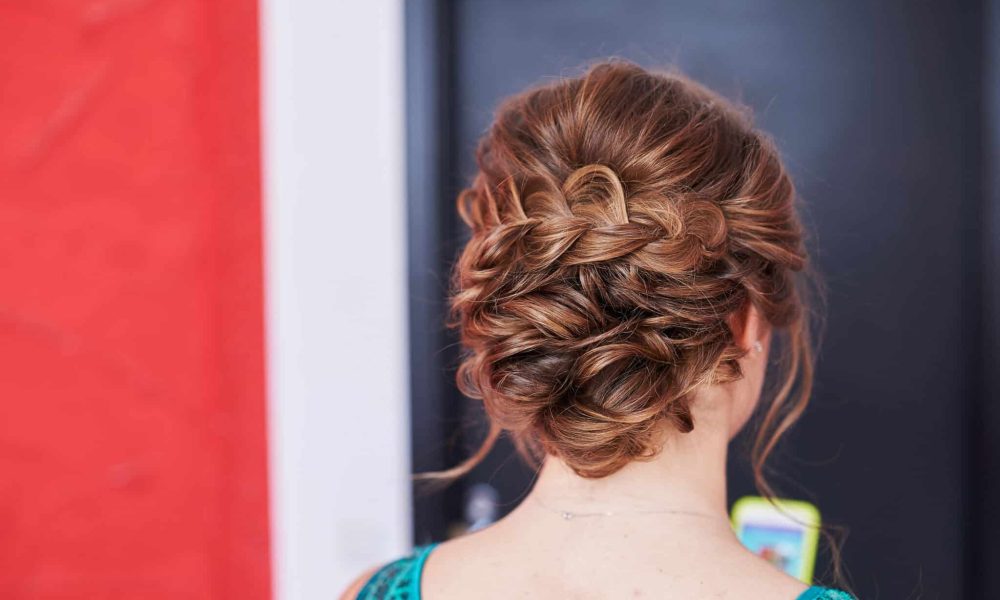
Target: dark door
(879,109)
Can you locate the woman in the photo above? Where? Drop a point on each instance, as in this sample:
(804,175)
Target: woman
(634,247)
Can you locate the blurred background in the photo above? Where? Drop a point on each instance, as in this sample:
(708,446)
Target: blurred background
(225,233)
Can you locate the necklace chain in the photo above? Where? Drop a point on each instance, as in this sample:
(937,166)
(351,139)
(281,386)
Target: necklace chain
(570,515)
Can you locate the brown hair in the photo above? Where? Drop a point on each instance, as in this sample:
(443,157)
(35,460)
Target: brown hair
(618,219)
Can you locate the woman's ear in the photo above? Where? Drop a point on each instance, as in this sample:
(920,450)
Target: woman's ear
(747,326)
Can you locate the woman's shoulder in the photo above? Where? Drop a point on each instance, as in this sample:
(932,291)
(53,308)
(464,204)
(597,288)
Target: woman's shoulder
(396,580)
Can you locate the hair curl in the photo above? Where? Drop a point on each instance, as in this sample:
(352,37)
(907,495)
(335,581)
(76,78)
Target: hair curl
(617,220)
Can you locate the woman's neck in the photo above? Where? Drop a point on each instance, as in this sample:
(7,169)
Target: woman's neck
(687,475)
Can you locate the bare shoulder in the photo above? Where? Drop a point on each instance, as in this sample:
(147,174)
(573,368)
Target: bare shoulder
(354,588)
(463,562)
(787,588)
(778,588)
(760,579)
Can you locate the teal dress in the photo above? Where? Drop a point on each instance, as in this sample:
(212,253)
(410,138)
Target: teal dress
(400,580)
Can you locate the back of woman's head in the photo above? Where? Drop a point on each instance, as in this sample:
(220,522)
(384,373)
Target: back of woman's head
(618,221)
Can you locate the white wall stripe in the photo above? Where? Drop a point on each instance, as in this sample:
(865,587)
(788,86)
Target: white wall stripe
(333,145)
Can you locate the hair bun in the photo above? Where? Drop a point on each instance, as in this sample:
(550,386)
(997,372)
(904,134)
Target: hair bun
(617,219)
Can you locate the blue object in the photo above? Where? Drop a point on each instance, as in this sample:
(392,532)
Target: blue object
(400,580)
(778,545)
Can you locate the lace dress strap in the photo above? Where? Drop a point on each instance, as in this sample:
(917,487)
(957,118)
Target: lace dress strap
(822,593)
(398,580)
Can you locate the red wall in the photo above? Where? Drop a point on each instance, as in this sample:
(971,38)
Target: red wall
(132,430)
